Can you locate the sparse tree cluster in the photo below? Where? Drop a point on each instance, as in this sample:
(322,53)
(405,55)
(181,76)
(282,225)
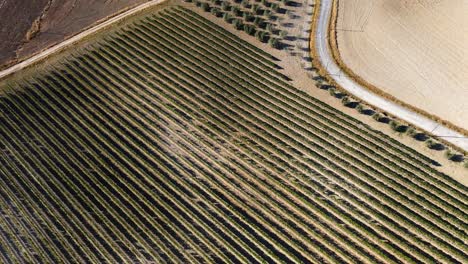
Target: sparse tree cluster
(256,18)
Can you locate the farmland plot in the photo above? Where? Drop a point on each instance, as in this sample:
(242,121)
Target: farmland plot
(172,140)
(409,51)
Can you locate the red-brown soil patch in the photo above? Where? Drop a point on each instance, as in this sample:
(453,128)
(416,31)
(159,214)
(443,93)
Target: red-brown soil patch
(27,27)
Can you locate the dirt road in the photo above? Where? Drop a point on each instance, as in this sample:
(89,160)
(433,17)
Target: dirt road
(326,58)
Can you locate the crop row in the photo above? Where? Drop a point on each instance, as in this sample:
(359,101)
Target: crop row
(359,131)
(385,164)
(172,140)
(114,45)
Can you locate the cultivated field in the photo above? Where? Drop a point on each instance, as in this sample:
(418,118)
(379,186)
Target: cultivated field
(414,51)
(172,140)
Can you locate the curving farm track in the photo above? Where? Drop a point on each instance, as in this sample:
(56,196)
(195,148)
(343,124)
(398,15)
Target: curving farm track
(345,81)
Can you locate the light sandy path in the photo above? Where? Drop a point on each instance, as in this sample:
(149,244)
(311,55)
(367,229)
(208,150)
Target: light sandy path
(48,52)
(326,58)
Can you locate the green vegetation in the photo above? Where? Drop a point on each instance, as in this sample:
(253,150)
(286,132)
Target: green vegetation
(252,17)
(172,140)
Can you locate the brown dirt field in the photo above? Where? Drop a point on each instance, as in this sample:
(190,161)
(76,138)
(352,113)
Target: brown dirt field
(31,26)
(16,18)
(412,51)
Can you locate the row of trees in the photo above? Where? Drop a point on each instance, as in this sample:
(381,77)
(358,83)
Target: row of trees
(396,125)
(257,20)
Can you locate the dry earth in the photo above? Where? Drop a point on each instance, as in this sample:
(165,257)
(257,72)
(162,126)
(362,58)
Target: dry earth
(27,27)
(412,50)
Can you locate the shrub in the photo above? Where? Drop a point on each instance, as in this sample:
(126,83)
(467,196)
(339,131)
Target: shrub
(236,11)
(349,102)
(435,145)
(257,20)
(274,43)
(325,86)
(247,16)
(398,127)
(261,35)
(283,33)
(320,78)
(255,8)
(227,17)
(449,153)
(225,6)
(274,7)
(360,108)
(365,110)
(205,7)
(237,24)
(379,117)
(453,155)
(216,12)
(345,100)
(249,29)
(270,28)
(411,131)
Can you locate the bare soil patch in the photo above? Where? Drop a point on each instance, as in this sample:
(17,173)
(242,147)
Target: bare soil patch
(413,51)
(31,26)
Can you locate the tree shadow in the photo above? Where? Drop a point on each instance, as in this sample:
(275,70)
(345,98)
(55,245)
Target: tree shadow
(294,4)
(351,104)
(457,158)
(290,38)
(437,146)
(368,112)
(401,129)
(384,119)
(339,95)
(307,58)
(326,86)
(294,16)
(288,25)
(421,137)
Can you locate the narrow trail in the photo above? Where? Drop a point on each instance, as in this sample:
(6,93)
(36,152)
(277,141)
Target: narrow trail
(341,78)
